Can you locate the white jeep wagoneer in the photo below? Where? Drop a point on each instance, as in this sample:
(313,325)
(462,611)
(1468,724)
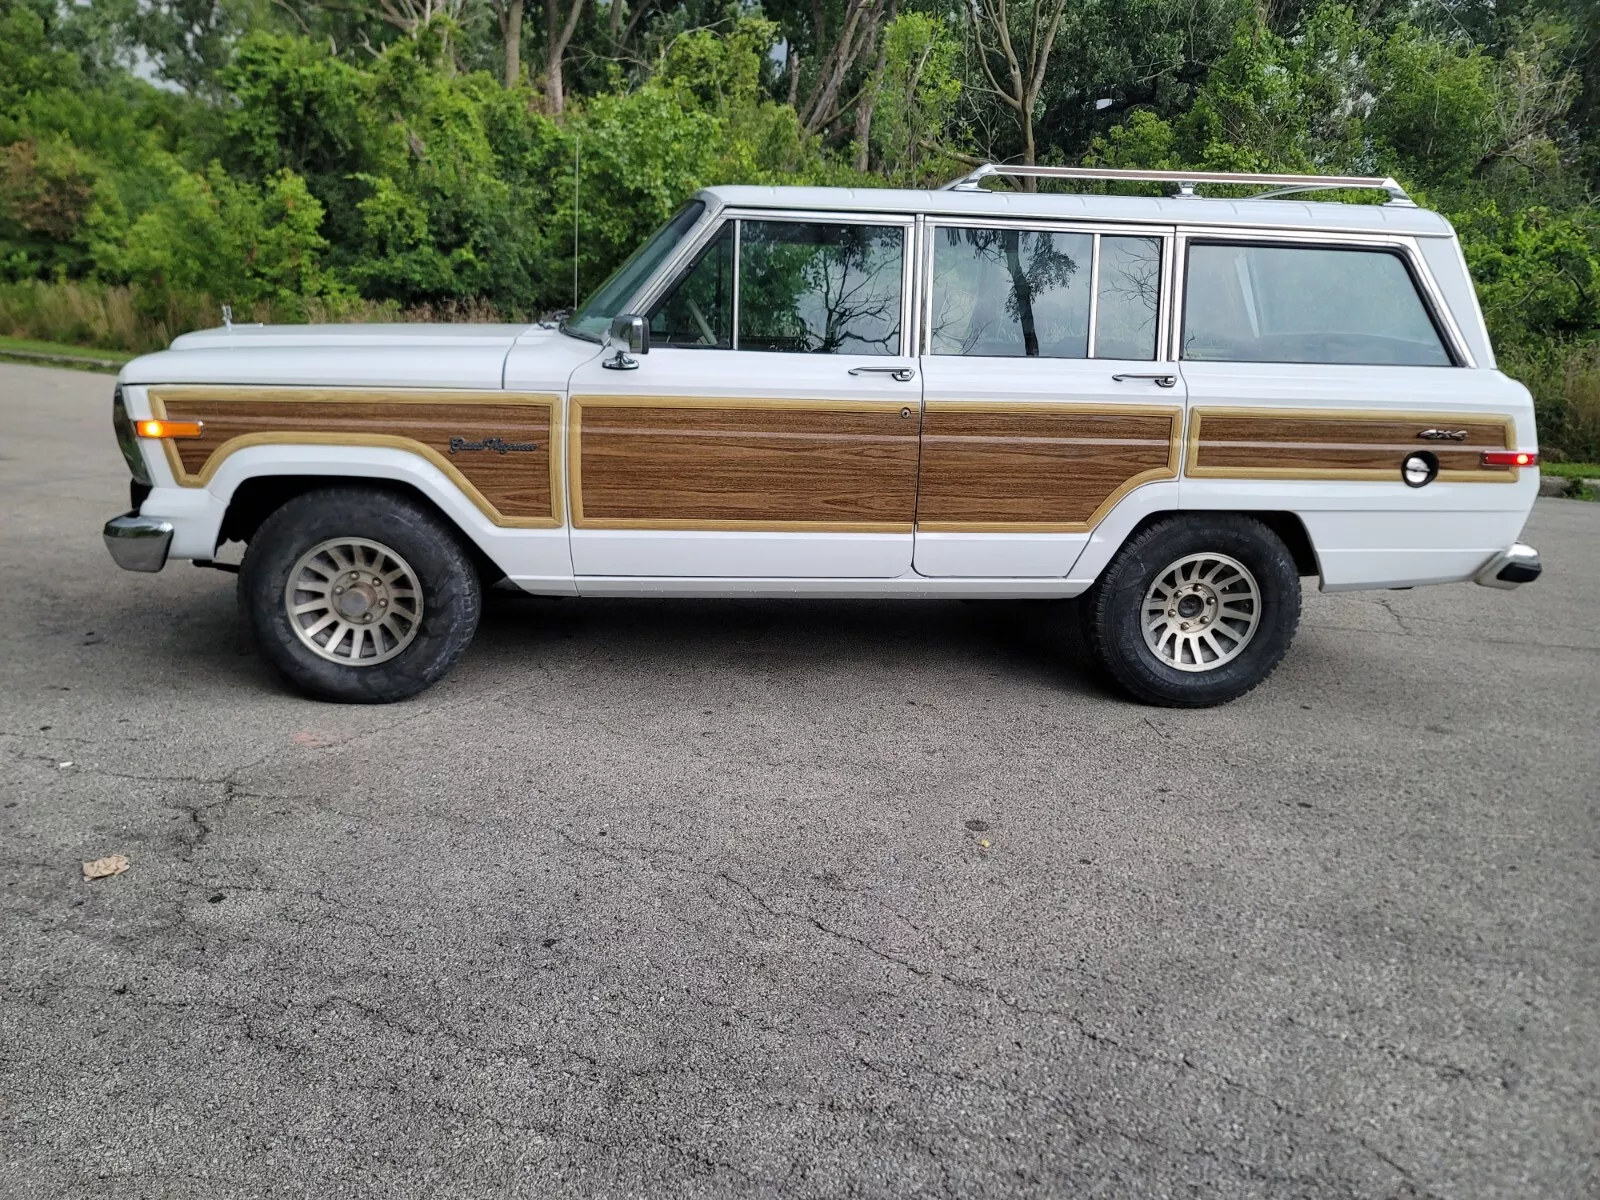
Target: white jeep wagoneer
(1173,407)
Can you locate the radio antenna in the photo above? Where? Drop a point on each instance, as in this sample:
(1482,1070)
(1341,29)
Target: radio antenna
(577,145)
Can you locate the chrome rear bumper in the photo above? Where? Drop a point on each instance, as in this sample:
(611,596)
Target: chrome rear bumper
(1511,568)
(138,543)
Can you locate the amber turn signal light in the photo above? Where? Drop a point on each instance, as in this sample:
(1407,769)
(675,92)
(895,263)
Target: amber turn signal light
(1510,458)
(169,429)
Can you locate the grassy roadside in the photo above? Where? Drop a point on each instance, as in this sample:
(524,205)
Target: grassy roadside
(59,354)
(1575,471)
(1570,470)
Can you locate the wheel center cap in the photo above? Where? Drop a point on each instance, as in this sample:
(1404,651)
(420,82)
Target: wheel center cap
(1190,607)
(356,601)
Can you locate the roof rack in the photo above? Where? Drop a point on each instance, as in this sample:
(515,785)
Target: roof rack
(1188,181)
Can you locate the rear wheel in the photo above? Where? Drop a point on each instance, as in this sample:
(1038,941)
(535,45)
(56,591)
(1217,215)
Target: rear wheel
(1194,610)
(359,595)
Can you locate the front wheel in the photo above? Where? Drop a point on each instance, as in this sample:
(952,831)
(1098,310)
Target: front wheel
(1195,610)
(359,595)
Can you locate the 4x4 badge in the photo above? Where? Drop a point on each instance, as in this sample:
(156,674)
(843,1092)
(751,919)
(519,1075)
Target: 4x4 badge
(499,446)
(1443,435)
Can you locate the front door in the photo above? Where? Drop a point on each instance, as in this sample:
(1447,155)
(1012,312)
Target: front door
(772,429)
(1047,395)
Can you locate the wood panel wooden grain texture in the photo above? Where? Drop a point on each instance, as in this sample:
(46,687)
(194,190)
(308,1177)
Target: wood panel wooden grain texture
(687,463)
(1246,443)
(1037,468)
(517,488)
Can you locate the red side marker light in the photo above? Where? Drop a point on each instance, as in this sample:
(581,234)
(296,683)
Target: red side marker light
(1510,458)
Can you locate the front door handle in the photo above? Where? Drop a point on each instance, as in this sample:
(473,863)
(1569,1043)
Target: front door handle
(902,374)
(1159,378)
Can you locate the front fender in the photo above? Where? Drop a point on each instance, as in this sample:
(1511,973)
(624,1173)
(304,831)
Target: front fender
(530,557)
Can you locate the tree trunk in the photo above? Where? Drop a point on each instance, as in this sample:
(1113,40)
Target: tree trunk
(819,108)
(1029,150)
(869,98)
(1024,294)
(511,34)
(554,97)
(560,37)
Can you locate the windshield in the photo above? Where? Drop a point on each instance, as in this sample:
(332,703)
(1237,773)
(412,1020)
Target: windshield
(594,318)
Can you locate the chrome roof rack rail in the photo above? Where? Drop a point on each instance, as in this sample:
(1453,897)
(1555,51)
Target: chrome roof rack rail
(1188,181)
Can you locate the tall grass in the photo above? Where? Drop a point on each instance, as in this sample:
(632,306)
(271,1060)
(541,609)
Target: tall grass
(140,320)
(1564,378)
(1579,437)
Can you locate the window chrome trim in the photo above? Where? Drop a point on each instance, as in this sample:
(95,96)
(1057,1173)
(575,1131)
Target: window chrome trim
(911,344)
(1169,255)
(738,245)
(1433,301)
(1094,294)
(1165,235)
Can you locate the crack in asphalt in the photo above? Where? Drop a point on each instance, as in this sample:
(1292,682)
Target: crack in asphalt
(982,988)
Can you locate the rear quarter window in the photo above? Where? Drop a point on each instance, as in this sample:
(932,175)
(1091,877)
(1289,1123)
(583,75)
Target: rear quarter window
(1305,304)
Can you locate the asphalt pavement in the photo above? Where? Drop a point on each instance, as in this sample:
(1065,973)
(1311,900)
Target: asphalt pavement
(785,899)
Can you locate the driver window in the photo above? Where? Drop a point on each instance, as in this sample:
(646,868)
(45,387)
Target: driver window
(698,311)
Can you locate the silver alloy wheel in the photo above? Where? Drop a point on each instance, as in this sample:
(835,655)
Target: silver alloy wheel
(354,602)
(1201,612)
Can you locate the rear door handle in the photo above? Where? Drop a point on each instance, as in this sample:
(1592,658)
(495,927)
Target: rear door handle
(1159,378)
(902,374)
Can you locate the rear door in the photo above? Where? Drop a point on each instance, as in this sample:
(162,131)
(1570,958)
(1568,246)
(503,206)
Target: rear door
(771,431)
(1048,396)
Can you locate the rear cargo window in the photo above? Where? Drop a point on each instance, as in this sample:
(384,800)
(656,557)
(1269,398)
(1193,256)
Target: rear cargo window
(1305,304)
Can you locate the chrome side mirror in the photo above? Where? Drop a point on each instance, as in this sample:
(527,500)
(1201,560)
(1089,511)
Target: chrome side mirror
(629,335)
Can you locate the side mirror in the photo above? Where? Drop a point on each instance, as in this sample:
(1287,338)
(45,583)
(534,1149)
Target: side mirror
(631,332)
(629,335)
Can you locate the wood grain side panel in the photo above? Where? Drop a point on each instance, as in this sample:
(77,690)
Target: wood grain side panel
(1239,443)
(1037,468)
(672,465)
(515,487)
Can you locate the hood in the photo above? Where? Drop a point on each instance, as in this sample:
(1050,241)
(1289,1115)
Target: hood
(415,355)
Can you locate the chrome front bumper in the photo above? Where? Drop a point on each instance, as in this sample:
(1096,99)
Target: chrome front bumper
(138,543)
(1511,568)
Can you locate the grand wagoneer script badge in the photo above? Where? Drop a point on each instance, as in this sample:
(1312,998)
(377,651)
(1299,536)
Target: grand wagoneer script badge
(498,445)
(1443,435)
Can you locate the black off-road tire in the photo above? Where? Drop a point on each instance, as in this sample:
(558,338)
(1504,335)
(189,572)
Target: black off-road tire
(1112,612)
(451,592)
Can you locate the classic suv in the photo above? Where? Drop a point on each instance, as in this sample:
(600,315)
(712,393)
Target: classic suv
(1172,407)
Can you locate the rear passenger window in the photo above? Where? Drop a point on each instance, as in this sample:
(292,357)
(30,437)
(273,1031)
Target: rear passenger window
(1037,293)
(1011,292)
(1305,304)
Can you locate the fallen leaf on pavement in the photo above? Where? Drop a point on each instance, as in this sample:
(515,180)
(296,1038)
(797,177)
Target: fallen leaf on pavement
(111,864)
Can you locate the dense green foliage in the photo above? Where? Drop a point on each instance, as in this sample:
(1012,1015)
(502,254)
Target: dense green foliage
(309,159)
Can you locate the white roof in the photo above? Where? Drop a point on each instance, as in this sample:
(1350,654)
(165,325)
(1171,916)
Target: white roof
(1183,210)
